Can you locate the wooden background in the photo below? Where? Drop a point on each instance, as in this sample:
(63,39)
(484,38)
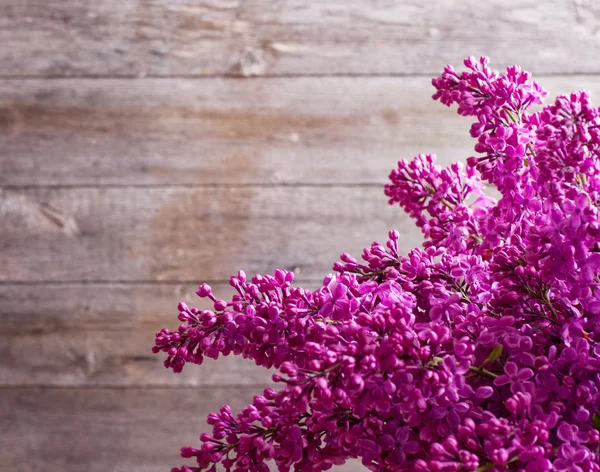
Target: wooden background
(149,145)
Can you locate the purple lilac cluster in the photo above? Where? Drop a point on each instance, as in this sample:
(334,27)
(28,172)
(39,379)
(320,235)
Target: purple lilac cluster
(478,352)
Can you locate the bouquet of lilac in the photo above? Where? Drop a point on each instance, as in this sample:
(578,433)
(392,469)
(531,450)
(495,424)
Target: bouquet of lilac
(478,352)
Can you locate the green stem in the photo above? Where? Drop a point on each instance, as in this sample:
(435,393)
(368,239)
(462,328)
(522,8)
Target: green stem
(483,372)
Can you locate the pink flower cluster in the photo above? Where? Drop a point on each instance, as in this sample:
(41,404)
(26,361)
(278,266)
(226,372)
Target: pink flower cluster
(478,352)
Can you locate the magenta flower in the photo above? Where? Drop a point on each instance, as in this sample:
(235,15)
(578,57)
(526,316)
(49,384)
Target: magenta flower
(479,351)
(513,375)
(570,458)
(399,443)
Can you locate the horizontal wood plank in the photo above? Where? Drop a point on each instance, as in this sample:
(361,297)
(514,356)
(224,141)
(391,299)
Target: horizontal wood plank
(220,131)
(206,174)
(188,234)
(226,131)
(83,335)
(258,37)
(116,430)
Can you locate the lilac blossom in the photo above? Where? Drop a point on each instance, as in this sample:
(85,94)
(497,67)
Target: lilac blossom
(478,352)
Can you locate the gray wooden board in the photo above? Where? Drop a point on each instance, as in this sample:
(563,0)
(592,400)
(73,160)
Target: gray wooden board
(283,37)
(120,195)
(220,131)
(188,234)
(109,430)
(227,131)
(90,334)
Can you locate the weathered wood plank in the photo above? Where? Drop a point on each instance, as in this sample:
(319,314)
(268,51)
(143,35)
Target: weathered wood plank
(82,335)
(226,131)
(101,430)
(254,37)
(334,130)
(188,233)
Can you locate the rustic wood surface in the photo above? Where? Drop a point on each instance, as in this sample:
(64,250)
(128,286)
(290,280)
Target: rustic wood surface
(291,37)
(149,145)
(326,130)
(188,234)
(116,430)
(101,335)
(220,131)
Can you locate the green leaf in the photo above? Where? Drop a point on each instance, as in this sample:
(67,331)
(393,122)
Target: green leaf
(495,354)
(596,420)
(483,468)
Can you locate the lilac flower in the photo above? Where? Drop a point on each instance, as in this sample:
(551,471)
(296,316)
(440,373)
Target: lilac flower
(569,458)
(451,412)
(398,442)
(513,375)
(479,351)
(570,434)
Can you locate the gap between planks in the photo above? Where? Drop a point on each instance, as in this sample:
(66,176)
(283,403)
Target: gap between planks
(44,386)
(195,186)
(424,75)
(87,283)
(262,134)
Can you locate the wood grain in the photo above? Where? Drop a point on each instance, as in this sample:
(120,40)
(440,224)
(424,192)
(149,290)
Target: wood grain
(136,162)
(108,430)
(90,334)
(297,37)
(189,233)
(220,131)
(227,131)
